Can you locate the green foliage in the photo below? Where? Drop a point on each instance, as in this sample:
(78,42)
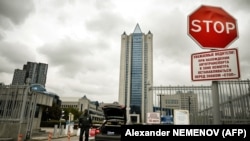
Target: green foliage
(55,112)
(51,113)
(74,111)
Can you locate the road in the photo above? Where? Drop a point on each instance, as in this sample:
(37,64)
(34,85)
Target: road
(73,138)
(51,136)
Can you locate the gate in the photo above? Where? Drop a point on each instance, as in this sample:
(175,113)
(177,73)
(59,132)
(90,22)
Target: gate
(234,101)
(18,106)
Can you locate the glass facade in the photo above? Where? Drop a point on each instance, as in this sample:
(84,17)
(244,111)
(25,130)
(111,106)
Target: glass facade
(136,73)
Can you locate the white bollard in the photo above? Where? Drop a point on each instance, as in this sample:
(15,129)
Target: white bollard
(55,131)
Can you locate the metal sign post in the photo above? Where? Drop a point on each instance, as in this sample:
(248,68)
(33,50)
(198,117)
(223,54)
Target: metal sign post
(212,28)
(216,103)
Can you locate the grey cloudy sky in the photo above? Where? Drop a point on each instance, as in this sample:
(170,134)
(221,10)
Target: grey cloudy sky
(80,41)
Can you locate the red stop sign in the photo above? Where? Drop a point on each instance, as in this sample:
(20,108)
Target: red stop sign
(212,27)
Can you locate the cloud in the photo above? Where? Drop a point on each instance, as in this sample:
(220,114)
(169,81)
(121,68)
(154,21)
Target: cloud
(105,23)
(80,40)
(13,55)
(16,10)
(74,56)
(84,67)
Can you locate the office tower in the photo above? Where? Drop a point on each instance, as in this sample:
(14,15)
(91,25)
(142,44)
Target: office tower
(136,72)
(36,72)
(19,77)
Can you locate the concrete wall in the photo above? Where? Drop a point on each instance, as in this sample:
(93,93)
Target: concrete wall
(12,130)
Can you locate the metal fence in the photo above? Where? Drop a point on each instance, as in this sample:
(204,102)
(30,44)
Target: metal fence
(234,101)
(15,110)
(18,108)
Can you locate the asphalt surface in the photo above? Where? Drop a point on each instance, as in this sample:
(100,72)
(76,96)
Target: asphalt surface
(50,135)
(72,138)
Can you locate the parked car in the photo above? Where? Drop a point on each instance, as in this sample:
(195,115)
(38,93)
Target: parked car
(110,130)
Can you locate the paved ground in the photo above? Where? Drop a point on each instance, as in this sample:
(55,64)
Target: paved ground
(51,135)
(72,138)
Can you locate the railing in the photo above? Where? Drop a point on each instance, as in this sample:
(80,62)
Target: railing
(18,107)
(234,101)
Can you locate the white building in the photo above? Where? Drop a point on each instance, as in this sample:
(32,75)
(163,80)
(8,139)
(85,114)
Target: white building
(181,101)
(82,103)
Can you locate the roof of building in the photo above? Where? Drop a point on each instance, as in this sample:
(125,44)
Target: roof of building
(137,29)
(70,99)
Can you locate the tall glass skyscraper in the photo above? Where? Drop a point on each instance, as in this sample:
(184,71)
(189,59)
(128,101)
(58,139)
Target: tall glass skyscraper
(136,72)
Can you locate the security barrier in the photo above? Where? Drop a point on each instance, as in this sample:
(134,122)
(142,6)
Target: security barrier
(19,106)
(234,101)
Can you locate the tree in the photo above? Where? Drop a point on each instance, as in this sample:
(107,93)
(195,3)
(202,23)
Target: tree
(51,113)
(74,111)
(55,113)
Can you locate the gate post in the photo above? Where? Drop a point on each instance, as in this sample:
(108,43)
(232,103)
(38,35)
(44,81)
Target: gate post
(216,103)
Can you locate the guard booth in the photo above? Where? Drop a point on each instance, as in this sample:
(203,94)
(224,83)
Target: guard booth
(21,111)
